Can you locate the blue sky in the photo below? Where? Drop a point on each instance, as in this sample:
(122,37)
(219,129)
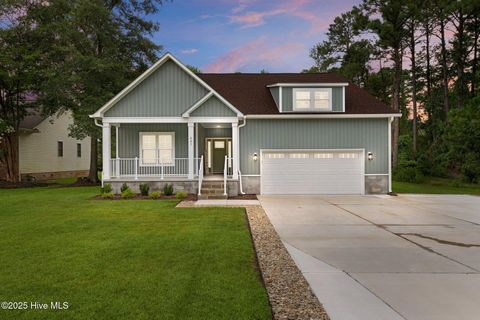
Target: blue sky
(246,35)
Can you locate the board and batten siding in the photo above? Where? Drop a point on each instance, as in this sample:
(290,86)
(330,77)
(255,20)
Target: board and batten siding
(168,92)
(129,138)
(213,107)
(287,99)
(38,151)
(368,134)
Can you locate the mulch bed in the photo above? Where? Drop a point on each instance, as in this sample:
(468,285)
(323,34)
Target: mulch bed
(289,293)
(22,184)
(244,197)
(190,197)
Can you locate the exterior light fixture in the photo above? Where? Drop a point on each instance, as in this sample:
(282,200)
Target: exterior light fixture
(255,156)
(370,156)
(219,126)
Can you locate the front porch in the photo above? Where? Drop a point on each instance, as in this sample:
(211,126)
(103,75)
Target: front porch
(183,153)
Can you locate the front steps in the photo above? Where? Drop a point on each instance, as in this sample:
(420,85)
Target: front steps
(212,190)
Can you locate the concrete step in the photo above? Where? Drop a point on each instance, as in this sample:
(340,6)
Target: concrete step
(210,196)
(212,185)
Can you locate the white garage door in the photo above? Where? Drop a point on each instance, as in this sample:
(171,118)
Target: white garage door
(312,172)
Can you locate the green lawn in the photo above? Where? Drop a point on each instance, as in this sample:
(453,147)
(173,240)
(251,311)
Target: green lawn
(138,259)
(437,185)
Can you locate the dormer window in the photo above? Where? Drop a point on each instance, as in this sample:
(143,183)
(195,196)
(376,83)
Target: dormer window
(312,99)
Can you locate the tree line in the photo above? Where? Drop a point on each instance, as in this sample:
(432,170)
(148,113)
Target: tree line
(68,55)
(421,57)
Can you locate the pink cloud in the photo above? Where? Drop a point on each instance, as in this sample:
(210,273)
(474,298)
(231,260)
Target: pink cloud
(254,19)
(255,54)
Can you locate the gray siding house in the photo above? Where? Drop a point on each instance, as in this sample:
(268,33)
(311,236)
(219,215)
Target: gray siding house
(278,133)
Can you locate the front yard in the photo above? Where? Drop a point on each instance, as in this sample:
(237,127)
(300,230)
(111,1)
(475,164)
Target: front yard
(134,259)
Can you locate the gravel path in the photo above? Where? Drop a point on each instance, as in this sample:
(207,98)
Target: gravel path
(289,293)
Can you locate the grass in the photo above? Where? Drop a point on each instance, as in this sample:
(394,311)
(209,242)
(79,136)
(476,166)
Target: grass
(437,186)
(138,259)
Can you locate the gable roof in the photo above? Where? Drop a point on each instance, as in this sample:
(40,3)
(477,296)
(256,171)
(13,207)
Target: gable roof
(166,57)
(33,118)
(249,92)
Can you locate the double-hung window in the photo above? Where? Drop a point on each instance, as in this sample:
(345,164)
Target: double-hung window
(157,148)
(312,99)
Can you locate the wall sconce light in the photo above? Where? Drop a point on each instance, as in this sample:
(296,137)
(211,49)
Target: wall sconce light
(370,156)
(255,156)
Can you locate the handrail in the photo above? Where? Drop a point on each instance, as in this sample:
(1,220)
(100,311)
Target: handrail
(225,171)
(240,182)
(200,176)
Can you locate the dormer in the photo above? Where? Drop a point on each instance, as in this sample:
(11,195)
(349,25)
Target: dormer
(309,97)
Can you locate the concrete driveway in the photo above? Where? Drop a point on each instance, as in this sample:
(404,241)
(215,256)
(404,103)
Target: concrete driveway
(383,257)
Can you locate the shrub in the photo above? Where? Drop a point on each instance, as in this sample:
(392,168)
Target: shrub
(124,187)
(108,195)
(168,189)
(181,195)
(128,193)
(144,188)
(155,194)
(407,171)
(107,188)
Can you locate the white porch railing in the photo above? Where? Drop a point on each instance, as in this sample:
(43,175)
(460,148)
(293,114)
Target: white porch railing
(225,173)
(158,168)
(200,176)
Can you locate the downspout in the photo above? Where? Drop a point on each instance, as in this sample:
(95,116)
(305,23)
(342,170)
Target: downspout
(390,154)
(239,172)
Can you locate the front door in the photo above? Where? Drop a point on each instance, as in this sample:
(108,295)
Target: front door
(218,155)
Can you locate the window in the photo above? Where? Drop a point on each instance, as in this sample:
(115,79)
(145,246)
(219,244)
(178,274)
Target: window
(312,99)
(79,150)
(219,144)
(60,148)
(323,155)
(274,155)
(299,155)
(348,155)
(157,148)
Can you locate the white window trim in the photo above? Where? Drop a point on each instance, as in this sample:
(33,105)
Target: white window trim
(157,133)
(312,95)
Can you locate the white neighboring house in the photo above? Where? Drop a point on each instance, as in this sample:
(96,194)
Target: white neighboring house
(47,152)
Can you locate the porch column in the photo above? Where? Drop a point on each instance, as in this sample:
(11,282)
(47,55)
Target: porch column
(106,150)
(236,149)
(190,150)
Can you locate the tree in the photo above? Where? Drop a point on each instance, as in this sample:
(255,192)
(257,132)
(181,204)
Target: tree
(105,45)
(343,51)
(391,30)
(18,54)
(194,69)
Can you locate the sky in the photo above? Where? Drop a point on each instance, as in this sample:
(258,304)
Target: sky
(221,36)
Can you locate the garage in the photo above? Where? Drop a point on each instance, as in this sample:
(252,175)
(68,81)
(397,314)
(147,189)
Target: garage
(312,171)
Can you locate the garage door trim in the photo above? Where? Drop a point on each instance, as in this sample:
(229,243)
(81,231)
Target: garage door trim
(361,151)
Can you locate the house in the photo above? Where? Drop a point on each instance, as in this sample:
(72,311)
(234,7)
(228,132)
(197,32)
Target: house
(254,133)
(47,152)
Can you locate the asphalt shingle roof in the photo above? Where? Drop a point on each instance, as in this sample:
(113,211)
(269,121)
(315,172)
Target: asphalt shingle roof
(249,92)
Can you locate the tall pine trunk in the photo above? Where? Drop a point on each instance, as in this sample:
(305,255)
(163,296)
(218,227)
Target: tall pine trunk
(460,55)
(397,59)
(414,87)
(446,105)
(475,57)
